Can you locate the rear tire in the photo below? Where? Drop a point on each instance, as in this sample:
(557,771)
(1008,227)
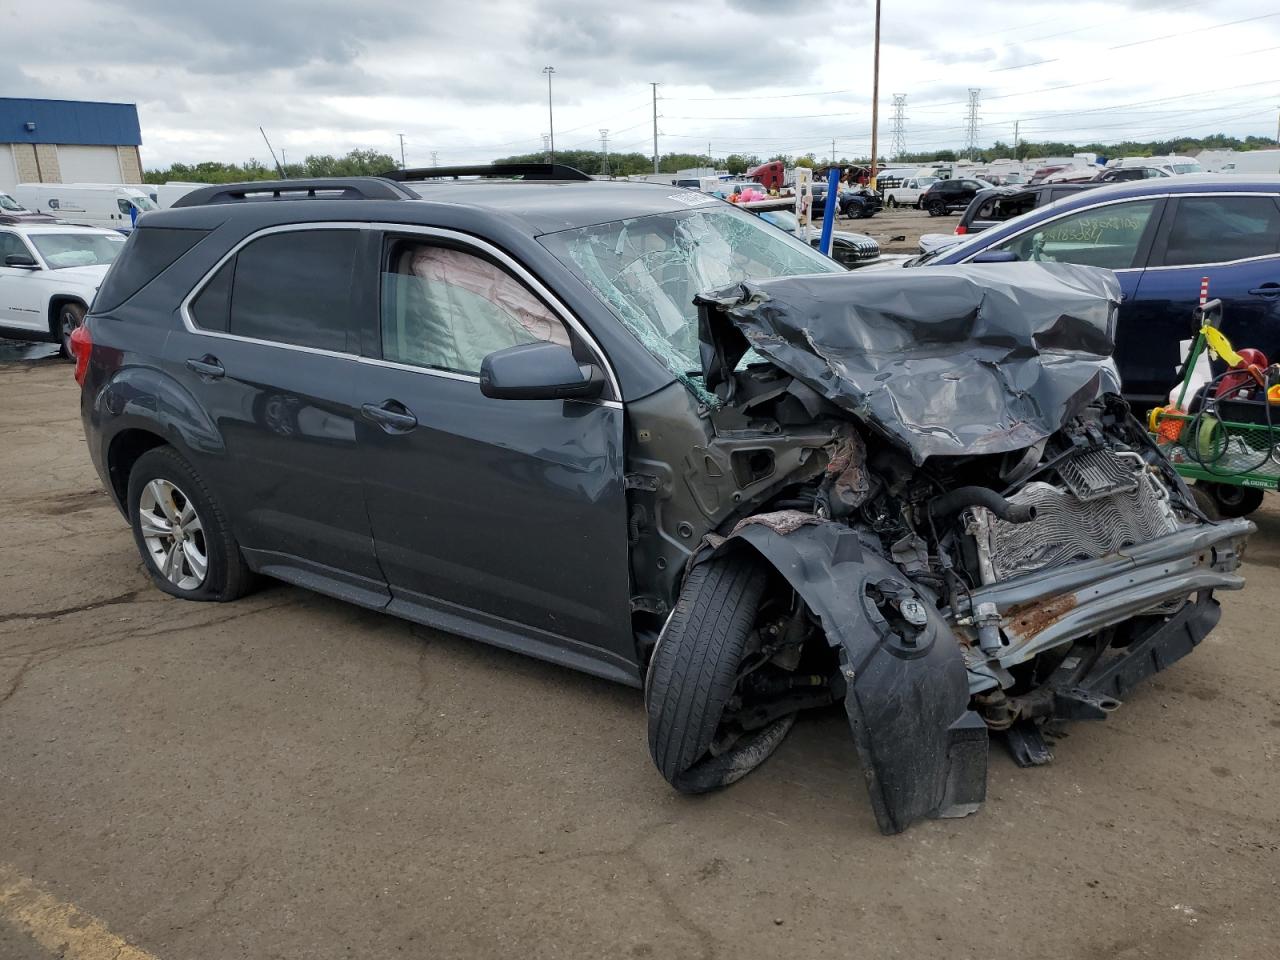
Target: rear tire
(891,203)
(181,533)
(937,209)
(693,674)
(70,316)
(1233,500)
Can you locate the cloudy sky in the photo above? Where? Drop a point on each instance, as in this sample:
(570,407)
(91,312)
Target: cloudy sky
(465,79)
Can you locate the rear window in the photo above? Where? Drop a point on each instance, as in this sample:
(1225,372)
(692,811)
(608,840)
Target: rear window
(292,288)
(1221,229)
(147,253)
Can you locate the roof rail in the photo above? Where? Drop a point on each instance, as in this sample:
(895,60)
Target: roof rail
(325,188)
(526,171)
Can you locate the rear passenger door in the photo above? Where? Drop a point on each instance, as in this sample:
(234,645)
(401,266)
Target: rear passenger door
(499,519)
(270,349)
(1233,239)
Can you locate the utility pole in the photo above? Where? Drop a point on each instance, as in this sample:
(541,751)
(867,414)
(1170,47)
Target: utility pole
(833,151)
(899,146)
(1015,139)
(551,117)
(971,124)
(875,102)
(402,151)
(655,126)
(604,148)
(1278,131)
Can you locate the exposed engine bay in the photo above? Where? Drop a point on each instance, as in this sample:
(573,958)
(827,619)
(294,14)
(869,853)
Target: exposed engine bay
(965,512)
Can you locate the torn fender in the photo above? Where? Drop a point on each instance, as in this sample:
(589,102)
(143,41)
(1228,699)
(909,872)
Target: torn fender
(923,752)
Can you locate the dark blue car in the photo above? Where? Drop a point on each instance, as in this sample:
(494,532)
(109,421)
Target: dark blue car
(1161,237)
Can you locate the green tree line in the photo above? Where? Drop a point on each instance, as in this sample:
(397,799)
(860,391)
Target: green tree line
(357,163)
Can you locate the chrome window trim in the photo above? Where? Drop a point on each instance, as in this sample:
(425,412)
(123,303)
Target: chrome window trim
(188,321)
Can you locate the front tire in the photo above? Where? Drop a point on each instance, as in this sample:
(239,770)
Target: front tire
(937,209)
(891,203)
(693,675)
(184,539)
(70,316)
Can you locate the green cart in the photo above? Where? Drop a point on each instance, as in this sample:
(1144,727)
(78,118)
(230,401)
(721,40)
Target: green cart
(1225,440)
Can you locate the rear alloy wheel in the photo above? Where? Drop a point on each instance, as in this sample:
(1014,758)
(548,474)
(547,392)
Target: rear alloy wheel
(70,316)
(185,541)
(703,731)
(937,208)
(891,203)
(1233,500)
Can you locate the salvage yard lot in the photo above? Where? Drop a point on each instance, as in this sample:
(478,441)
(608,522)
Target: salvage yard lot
(291,776)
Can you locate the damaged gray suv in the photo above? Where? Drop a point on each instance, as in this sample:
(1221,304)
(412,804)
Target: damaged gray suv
(640,433)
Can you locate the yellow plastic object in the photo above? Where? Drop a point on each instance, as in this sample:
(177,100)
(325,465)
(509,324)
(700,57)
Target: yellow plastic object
(1273,394)
(1220,345)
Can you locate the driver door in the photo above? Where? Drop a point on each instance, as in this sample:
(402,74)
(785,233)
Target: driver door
(500,519)
(23,293)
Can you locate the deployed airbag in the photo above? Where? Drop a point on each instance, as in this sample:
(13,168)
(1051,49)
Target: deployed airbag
(947,360)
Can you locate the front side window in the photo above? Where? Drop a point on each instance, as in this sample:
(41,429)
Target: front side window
(143,203)
(292,287)
(1102,237)
(1222,229)
(447,310)
(123,206)
(62,250)
(649,269)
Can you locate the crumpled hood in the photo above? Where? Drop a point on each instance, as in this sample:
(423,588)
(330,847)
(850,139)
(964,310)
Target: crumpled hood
(951,360)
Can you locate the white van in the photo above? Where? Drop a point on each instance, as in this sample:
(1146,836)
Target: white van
(111,205)
(1172,166)
(167,194)
(1254,161)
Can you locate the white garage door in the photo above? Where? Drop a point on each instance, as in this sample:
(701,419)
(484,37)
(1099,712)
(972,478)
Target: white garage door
(8,173)
(89,164)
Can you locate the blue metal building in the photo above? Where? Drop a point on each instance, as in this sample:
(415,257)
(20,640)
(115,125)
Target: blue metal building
(68,141)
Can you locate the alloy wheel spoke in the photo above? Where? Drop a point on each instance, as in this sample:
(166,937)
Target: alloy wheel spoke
(154,526)
(195,559)
(162,493)
(173,562)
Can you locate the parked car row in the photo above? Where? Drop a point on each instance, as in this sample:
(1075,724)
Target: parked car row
(755,486)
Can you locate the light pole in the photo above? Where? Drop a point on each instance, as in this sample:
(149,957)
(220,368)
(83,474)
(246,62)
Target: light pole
(875,101)
(551,117)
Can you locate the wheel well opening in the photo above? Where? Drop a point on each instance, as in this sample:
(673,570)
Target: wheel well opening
(126,448)
(55,306)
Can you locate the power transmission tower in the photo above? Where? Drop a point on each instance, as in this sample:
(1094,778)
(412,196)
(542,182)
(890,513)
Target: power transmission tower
(899,146)
(435,158)
(604,148)
(971,124)
(546,146)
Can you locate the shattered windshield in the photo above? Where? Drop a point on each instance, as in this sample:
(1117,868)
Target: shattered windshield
(649,269)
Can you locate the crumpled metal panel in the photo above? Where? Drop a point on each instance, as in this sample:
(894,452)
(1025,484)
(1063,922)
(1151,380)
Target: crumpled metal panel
(972,359)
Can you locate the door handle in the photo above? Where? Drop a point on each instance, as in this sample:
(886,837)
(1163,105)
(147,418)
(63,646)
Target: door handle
(207,366)
(392,415)
(1267,290)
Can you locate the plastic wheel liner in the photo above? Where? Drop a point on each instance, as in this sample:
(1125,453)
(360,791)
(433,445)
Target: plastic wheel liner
(922,751)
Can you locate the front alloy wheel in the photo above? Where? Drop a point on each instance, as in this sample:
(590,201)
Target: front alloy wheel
(70,316)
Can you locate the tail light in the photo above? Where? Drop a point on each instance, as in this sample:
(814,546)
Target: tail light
(961,229)
(81,347)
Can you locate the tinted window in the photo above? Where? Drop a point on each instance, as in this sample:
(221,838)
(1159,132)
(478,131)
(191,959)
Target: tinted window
(211,309)
(295,287)
(1103,237)
(1219,229)
(148,252)
(445,309)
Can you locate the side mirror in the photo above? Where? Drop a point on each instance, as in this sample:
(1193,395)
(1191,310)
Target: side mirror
(995,256)
(23,261)
(538,371)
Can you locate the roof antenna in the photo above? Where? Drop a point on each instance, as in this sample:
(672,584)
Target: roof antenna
(279,169)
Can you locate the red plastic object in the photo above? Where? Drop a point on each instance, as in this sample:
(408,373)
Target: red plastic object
(81,347)
(1253,362)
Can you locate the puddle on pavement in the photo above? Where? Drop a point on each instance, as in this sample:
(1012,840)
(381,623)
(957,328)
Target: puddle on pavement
(15,351)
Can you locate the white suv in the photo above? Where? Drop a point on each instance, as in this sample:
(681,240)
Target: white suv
(49,274)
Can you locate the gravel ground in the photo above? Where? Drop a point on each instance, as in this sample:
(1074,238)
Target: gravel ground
(289,776)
